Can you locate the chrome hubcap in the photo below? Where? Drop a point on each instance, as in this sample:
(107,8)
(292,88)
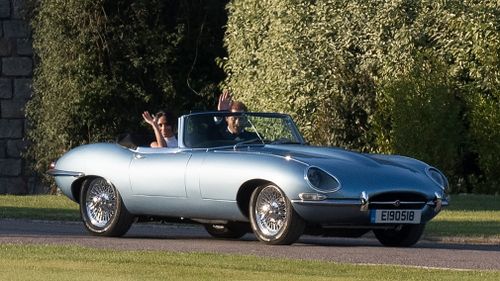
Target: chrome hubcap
(100,202)
(270,210)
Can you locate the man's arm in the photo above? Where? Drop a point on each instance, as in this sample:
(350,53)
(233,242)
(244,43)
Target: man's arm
(224,104)
(225,101)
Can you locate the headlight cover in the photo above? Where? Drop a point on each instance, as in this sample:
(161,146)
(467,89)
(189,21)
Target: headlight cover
(437,177)
(320,180)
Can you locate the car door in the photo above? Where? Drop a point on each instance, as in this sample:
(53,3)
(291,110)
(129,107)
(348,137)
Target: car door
(222,173)
(159,173)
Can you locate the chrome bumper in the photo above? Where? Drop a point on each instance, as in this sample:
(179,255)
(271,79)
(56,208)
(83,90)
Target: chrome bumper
(62,173)
(363,202)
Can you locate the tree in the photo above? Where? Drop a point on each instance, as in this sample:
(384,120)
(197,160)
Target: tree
(101,63)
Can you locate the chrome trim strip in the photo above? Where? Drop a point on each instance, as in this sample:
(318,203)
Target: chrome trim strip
(432,203)
(400,202)
(329,202)
(354,202)
(62,173)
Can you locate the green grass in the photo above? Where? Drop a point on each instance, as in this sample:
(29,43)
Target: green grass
(472,217)
(474,202)
(29,262)
(40,207)
(475,217)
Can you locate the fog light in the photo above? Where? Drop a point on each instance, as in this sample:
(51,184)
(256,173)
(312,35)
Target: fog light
(312,196)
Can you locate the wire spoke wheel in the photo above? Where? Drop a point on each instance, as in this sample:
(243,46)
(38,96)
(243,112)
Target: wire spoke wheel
(272,217)
(270,211)
(102,209)
(101,202)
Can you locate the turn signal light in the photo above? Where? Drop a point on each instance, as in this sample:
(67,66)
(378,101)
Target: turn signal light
(312,196)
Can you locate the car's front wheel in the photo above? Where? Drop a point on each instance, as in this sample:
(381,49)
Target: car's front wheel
(272,217)
(229,230)
(102,209)
(400,236)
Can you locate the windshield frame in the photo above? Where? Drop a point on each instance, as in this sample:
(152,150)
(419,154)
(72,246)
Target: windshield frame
(222,114)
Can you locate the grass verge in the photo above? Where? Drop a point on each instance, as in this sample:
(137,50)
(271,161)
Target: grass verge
(30,262)
(40,207)
(469,218)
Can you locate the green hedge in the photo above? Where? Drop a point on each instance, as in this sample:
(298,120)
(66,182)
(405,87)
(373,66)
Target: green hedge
(101,63)
(422,117)
(418,78)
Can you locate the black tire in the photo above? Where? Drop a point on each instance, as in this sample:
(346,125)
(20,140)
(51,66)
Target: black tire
(230,230)
(401,236)
(102,209)
(272,217)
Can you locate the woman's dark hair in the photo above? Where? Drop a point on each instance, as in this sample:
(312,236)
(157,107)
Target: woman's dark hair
(171,119)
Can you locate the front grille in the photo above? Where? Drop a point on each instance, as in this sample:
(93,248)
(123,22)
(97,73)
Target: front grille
(397,200)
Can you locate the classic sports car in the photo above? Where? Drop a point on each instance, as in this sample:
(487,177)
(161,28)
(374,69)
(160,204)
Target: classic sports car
(270,182)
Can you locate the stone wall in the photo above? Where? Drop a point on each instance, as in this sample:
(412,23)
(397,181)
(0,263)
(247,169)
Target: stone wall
(16,72)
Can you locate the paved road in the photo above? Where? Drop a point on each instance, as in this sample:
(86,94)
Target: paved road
(193,238)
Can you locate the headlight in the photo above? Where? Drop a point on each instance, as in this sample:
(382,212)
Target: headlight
(321,180)
(437,177)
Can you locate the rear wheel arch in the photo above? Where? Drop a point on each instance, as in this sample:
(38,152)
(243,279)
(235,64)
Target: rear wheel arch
(77,185)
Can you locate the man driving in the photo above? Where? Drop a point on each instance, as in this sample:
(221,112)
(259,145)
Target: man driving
(235,124)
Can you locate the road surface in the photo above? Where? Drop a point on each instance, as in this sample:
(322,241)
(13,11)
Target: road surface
(193,238)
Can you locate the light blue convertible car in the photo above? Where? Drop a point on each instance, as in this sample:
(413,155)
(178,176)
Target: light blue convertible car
(268,181)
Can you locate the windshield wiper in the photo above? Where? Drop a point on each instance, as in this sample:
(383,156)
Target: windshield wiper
(250,141)
(255,129)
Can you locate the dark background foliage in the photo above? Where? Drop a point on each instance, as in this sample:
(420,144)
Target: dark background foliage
(101,63)
(417,78)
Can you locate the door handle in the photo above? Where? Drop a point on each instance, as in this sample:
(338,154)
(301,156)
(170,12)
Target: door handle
(138,156)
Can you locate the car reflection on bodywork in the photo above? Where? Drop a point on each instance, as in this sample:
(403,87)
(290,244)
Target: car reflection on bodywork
(271,183)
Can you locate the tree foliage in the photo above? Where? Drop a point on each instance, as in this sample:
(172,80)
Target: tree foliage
(101,63)
(418,78)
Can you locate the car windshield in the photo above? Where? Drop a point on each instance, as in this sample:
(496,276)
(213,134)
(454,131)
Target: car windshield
(216,129)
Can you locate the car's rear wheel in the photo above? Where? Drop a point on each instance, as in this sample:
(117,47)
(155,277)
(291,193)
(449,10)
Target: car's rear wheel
(272,217)
(102,209)
(229,230)
(400,236)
